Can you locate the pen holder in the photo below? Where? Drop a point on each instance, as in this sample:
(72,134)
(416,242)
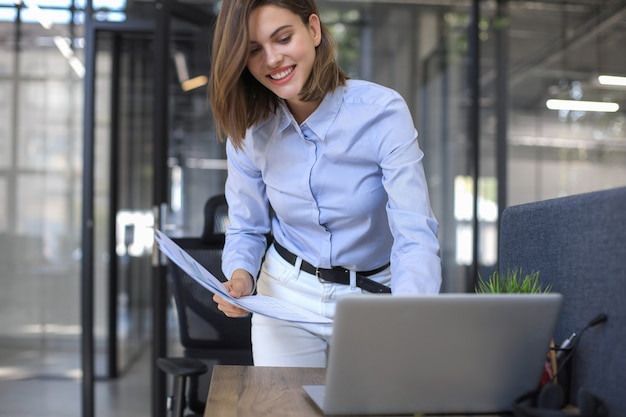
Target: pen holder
(563,362)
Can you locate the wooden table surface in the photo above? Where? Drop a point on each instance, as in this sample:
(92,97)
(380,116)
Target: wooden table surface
(249,391)
(242,391)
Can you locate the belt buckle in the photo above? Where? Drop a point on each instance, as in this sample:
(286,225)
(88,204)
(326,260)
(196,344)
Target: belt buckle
(318,274)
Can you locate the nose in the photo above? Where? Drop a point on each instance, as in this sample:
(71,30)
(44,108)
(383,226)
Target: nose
(272,57)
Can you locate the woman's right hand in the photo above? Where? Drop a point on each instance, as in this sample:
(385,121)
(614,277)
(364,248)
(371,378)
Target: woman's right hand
(240,284)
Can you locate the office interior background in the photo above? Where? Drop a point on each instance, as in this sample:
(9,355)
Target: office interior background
(106,112)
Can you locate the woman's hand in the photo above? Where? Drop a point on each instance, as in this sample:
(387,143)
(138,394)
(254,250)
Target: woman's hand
(240,284)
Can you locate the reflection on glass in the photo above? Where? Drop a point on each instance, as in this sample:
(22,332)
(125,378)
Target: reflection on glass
(135,233)
(487,218)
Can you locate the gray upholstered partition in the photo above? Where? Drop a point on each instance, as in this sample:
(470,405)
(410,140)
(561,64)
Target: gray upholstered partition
(578,245)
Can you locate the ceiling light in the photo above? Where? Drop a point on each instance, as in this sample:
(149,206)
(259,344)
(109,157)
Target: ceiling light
(611,80)
(195,82)
(40,15)
(578,105)
(63,45)
(180,63)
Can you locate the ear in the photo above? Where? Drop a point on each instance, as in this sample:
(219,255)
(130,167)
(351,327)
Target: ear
(315,28)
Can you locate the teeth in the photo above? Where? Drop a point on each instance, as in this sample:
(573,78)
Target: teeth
(281,75)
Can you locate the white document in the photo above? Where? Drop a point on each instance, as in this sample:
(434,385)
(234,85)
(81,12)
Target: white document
(259,304)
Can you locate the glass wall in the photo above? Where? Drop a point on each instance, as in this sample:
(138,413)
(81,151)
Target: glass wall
(558,52)
(40,191)
(41,93)
(505,136)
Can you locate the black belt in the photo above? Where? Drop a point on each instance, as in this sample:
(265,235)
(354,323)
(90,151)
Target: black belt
(338,274)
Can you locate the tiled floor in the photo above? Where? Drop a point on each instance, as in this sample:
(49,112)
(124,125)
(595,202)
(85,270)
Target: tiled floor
(45,382)
(55,395)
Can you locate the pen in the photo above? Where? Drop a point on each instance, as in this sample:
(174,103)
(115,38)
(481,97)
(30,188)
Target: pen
(566,343)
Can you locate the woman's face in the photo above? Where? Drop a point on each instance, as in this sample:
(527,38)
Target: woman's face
(282,49)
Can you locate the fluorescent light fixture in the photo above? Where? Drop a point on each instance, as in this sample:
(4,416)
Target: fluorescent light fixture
(63,46)
(611,80)
(578,105)
(77,66)
(195,82)
(41,16)
(180,63)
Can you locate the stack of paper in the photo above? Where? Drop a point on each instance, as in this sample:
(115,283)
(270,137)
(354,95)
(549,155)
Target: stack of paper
(259,304)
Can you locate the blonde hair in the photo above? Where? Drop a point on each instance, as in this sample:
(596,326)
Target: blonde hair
(237,99)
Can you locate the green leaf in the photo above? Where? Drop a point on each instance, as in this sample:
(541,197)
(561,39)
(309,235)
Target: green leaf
(513,281)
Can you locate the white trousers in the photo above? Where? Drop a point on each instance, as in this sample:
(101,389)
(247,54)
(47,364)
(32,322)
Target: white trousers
(280,343)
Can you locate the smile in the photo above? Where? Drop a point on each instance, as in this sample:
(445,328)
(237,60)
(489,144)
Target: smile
(282,74)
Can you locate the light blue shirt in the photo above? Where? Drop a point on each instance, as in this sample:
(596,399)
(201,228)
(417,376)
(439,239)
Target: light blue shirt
(347,188)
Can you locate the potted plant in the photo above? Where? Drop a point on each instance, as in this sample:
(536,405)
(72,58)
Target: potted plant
(513,281)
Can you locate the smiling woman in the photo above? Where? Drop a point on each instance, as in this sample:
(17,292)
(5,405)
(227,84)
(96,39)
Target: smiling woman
(337,161)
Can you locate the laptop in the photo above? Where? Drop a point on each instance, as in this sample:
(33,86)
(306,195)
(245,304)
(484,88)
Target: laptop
(446,353)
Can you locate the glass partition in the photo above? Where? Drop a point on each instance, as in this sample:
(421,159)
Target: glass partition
(40,145)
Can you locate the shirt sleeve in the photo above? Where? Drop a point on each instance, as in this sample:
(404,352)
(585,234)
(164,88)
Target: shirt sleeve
(248,214)
(415,254)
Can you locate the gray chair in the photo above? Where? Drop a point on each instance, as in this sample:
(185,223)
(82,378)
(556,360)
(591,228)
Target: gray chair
(207,336)
(578,245)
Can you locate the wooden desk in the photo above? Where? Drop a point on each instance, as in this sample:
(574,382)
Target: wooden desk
(248,391)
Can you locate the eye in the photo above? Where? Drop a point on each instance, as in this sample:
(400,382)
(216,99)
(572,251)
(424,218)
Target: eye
(254,50)
(284,39)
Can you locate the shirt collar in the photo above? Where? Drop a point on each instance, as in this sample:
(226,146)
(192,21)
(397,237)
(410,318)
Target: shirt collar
(322,118)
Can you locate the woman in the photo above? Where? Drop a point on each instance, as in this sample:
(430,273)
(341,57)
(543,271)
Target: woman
(338,162)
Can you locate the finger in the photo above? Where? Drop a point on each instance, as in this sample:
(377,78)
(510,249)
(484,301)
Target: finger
(232,311)
(229,309)
(238,289)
